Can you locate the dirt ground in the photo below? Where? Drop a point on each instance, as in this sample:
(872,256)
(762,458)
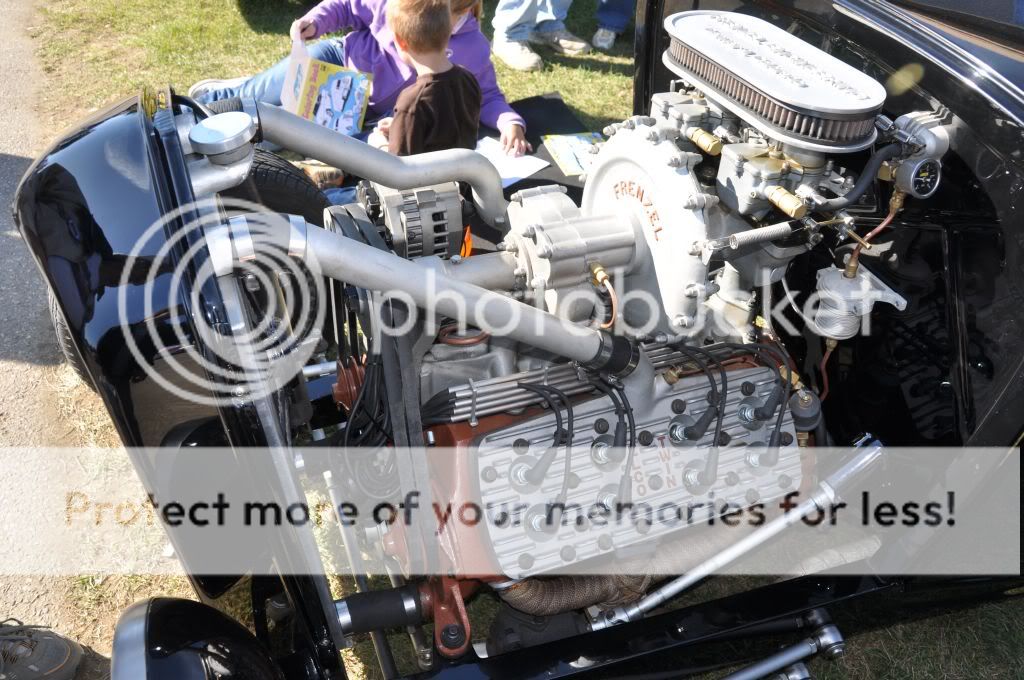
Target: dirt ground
(42,403)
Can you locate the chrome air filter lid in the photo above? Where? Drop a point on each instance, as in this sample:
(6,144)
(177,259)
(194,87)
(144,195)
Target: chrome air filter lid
(775,81)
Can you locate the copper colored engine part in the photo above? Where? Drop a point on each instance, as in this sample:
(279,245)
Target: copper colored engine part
(350,379)
(443,599)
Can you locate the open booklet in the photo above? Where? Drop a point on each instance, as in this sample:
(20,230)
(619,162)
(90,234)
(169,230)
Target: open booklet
(511,168)
(327,94)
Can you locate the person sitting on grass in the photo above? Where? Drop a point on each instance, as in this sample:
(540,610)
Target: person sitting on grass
(370,47)
(441,109)
(612,18)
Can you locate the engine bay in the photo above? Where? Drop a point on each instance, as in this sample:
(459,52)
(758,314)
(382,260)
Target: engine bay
(669,339)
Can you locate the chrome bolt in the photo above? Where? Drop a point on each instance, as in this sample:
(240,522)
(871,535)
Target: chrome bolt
(677,433)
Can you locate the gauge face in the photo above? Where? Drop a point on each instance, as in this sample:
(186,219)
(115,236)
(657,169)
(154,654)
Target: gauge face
(925,179)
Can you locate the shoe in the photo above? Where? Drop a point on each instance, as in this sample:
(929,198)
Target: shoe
(211,84)
(604,39)
(517,55)
(34,653)
(561,41)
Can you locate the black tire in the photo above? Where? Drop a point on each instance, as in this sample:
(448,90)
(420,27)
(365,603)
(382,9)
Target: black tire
(64,341)
(281,187)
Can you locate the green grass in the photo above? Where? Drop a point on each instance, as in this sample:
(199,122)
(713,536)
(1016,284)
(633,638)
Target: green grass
(96,51)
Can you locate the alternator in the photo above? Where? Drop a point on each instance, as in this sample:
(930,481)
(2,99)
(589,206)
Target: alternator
(424,221)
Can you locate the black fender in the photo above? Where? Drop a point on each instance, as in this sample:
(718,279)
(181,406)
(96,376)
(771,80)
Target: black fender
(173,639)
(81,208)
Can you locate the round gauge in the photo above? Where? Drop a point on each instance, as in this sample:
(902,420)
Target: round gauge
(920,178)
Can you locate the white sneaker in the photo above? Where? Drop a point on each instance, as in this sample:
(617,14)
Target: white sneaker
(517,54)
(211,84)
(561,41)
(604,39)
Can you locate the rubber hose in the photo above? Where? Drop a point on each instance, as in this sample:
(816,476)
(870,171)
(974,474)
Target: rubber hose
(868,176)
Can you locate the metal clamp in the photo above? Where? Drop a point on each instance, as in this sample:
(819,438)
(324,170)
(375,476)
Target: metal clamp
(218,243)
(241,239)
(297,236)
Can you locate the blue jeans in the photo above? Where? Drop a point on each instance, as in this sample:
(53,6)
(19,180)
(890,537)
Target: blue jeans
(615,14)
(517,19)
(266,86)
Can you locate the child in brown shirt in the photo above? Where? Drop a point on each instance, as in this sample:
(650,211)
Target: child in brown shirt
(441,110)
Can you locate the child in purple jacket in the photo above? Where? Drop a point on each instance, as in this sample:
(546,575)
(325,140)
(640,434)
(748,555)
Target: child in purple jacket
(370,47)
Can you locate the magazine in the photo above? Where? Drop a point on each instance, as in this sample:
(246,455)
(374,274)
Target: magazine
(327,94)
(573,154)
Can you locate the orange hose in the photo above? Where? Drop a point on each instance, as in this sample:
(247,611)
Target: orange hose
(894,207)
(823,367)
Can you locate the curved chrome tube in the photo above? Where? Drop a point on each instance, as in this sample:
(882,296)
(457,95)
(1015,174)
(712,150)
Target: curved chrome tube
(454,165)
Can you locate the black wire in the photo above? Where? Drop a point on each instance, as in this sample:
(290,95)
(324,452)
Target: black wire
(369,415)
(536,389)
(625,482)
(711,463)
(785,360)
(760,351)
(357,404)
(723,391)
(628,408)
(570,426)
(620,413)
(715,396)
(547,397)
(368,377)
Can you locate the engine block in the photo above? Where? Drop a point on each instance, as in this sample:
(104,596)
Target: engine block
(527,541)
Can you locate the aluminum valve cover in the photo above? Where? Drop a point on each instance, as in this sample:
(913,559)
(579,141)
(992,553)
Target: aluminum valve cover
(658,476)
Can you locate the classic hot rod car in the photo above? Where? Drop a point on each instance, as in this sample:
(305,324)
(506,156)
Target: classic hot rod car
(624,345)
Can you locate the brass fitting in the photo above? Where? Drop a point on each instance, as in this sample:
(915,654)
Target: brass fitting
(796,380)
(672,375)
(598,274)
(857,237)
(705,141)
(851,268)
(785,201)
(897,201)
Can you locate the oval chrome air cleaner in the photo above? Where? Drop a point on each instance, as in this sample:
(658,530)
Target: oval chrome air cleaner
(788,89)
